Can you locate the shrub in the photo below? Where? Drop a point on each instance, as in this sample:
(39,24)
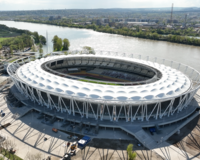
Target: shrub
(131,154)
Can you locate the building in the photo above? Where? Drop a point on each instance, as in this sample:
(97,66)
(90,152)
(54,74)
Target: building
(135,92)
(143,90)
(173,21)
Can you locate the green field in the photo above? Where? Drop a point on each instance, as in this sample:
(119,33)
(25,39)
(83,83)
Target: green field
(94,78)
(2,39)
(9,155)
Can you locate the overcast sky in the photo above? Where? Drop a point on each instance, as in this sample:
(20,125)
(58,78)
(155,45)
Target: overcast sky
(90,4)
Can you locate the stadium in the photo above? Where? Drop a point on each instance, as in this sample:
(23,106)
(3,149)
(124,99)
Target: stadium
(109,86)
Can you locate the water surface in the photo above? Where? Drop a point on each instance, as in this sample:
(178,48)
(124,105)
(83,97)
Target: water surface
(78,38)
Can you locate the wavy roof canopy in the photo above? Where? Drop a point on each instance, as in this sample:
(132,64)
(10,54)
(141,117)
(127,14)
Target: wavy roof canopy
(171,84)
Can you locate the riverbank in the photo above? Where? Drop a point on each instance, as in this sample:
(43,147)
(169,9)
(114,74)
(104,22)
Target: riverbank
(20,41)
(127,32)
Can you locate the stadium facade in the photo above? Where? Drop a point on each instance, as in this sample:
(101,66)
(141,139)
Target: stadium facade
(148,88)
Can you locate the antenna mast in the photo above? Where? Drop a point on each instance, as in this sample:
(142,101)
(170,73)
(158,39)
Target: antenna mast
(172,12)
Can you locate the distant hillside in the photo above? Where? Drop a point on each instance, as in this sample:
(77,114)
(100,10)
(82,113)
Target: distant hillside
(66,12)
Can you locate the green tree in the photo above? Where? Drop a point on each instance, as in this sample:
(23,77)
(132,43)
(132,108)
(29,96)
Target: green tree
(90,49)
(0,46)
(137,28)
(40,45)
(33,48)
(40,50)
(36,37)
(11,51)
(42,40)
(131,155)
(66,44)
(54,40)
(57,43)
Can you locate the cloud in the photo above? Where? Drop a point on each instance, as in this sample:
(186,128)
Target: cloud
(87,4)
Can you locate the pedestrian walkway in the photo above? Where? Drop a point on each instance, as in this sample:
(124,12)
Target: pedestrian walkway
(170,152)
(162,148)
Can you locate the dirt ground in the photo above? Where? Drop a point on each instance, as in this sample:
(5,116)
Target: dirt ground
(189,138)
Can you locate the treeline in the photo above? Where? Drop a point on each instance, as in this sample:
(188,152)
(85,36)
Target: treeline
(25,38)
(11,29)
(39,38)
(59,44)
(19,42)
(155,34)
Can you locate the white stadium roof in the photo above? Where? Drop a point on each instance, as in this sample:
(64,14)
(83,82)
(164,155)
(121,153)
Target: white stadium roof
(172,83)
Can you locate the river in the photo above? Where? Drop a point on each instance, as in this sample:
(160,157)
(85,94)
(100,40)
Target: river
(78,38)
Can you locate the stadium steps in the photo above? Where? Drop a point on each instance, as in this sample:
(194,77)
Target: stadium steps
(163,149)
(141,135)
(181,125)
(153,142)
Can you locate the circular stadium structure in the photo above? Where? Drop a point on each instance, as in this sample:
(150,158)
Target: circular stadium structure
(108,85)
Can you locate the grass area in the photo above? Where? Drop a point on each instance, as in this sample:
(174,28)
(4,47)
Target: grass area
(9,155)
(83,80)
(2,39)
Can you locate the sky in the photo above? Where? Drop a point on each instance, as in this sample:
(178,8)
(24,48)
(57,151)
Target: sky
(92,4)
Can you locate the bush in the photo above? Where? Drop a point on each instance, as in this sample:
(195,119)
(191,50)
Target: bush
(131,155)
(1,158)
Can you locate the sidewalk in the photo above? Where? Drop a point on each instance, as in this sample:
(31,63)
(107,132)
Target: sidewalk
(173,153)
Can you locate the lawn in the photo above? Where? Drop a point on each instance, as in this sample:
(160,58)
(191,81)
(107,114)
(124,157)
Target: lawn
(9,155)
(2,39)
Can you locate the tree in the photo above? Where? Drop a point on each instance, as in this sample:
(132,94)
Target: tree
(11,51)
(137,28)
(131,155)
(55,40)
(33,48)
(66,44)
(57,43)
(36,37)
(42,40)
(40,45)
(40,50)
(0,46)
(89,49)
(8,144)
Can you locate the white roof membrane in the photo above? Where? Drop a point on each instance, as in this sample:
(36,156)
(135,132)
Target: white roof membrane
(172,82)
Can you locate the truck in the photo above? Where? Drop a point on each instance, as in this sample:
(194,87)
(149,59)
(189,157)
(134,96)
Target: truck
(84,141)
